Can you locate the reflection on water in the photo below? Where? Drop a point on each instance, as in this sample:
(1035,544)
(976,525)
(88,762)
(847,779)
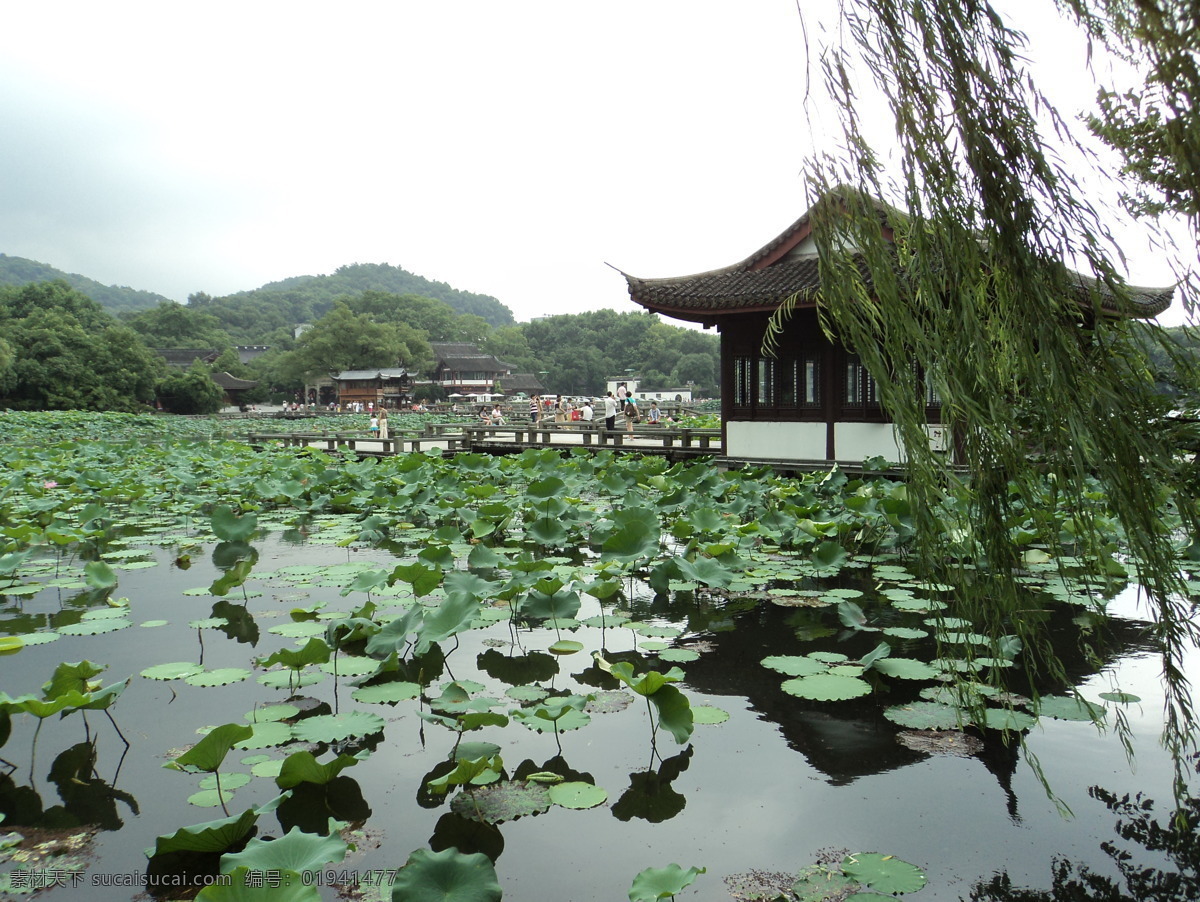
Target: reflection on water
(783,778)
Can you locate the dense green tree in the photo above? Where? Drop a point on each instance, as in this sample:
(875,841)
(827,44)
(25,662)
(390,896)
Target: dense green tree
(437,319)
(61,364)
(191,391)
(171,325)
(344,340)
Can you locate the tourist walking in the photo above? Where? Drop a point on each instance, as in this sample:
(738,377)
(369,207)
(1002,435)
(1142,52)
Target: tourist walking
(610,412)
(535,410)
(383,423)
(631,414)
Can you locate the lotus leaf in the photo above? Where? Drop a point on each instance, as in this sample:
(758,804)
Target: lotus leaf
(565,647)
(1121,698)
(526,693)
(267,734)
(223,676)
(1008,720)
(289,679)
(99,575)
(707,714)
(905,669)
(829,657)
(294,851)
(659,883)
(94,627)
(209,752)
(577,795)
(927,716)
(884,873)
(210,798)
(795,665)
(827,687)
(229,782)
(230,527)
(350,665)
(268,713)
(816,883)
(303,767)
(447,876)
(387,693)
(334,727)
(1066,708)
(247,885)
(213,836)
(678,655)
(298,630)
(499,802)
(473,771)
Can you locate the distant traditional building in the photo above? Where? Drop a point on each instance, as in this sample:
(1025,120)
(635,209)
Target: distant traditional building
(522,384)
(233,387)
(390,387)
(461,368)
(812,399)
(183,358)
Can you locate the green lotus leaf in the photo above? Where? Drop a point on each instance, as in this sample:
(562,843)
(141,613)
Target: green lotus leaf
(662,883)
(447,876)
(230,527)
(795,665)
(706,572)
(94,627)
(210,751)
(222,676)
(924,715)
(816,883)
(267,713)
(678,655)
(1121,698)
(829,657)
(300,630)
(1068,708)
(229,782)
(315,651)
(501,801)
(527,693)
(334,727)
(468,771)
(565,647)
(250,885)
(267,734)
(827,687)
(577,795)
(1008,720)
(210,798)
(290,679)
(350,665)
(294,851)
(905,669)
(884,873)
(905,632)
(569,719)
(213,836)
(303,767)
(10,644)
(387,693)
(707,714)
(99,575)
(674,713)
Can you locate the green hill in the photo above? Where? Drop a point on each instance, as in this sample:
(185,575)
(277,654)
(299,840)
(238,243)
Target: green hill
(114,298)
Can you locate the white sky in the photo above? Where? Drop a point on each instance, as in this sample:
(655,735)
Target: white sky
(510,149)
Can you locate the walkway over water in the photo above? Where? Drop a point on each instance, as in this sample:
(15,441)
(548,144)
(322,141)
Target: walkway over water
(672,442)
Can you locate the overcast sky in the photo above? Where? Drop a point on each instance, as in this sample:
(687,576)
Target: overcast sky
(510,149)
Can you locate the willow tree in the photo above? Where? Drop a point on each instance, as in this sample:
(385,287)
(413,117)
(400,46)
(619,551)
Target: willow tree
(971,292)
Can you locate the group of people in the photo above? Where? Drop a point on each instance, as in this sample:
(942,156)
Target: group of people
(491,416)
(379,423)
(564,411)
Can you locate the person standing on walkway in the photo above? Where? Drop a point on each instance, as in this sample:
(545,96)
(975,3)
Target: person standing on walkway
(383,423)
(610,412)
(535,410)
(631,413)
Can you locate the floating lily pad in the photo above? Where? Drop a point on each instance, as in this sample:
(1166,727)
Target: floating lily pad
(350,665)
(38,638)
(927,716)
(151,624)
(883,873)
(905,632)
(526,693)
(795,665)
(577,795)
(173,671)
(94,627)
(1008,720)
(905,669)
(506,800)
(334,727)
(826,687)
(287,679)
(386,693)
(229,782)
(222,676)
(268,713)
(707,714)
(210,798)
(267,734)
(565,647)
(1066,708)
(1121,698)
(609,701)
(678,655)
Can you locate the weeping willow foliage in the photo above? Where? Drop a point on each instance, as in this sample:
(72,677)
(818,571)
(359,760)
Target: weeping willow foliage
(1048,394)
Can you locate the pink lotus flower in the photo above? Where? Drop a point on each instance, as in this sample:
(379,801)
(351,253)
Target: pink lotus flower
(49,484)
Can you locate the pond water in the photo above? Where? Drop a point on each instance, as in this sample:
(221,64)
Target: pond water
(780,784)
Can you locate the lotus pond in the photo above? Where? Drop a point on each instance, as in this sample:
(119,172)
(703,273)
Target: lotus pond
(302,676)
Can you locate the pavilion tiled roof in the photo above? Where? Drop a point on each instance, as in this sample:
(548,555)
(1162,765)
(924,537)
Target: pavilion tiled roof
(776,271)
(464,356)
(233,383)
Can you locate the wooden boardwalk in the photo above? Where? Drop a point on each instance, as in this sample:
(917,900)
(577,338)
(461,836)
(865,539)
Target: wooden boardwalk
(673,442)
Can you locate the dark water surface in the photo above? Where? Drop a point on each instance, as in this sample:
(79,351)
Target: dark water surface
(770,789)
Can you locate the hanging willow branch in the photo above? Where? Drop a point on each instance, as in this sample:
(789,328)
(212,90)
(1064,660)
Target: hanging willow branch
(1047,391)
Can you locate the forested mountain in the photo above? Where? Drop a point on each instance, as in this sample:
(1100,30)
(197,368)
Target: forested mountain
(115,298)
(249,315)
